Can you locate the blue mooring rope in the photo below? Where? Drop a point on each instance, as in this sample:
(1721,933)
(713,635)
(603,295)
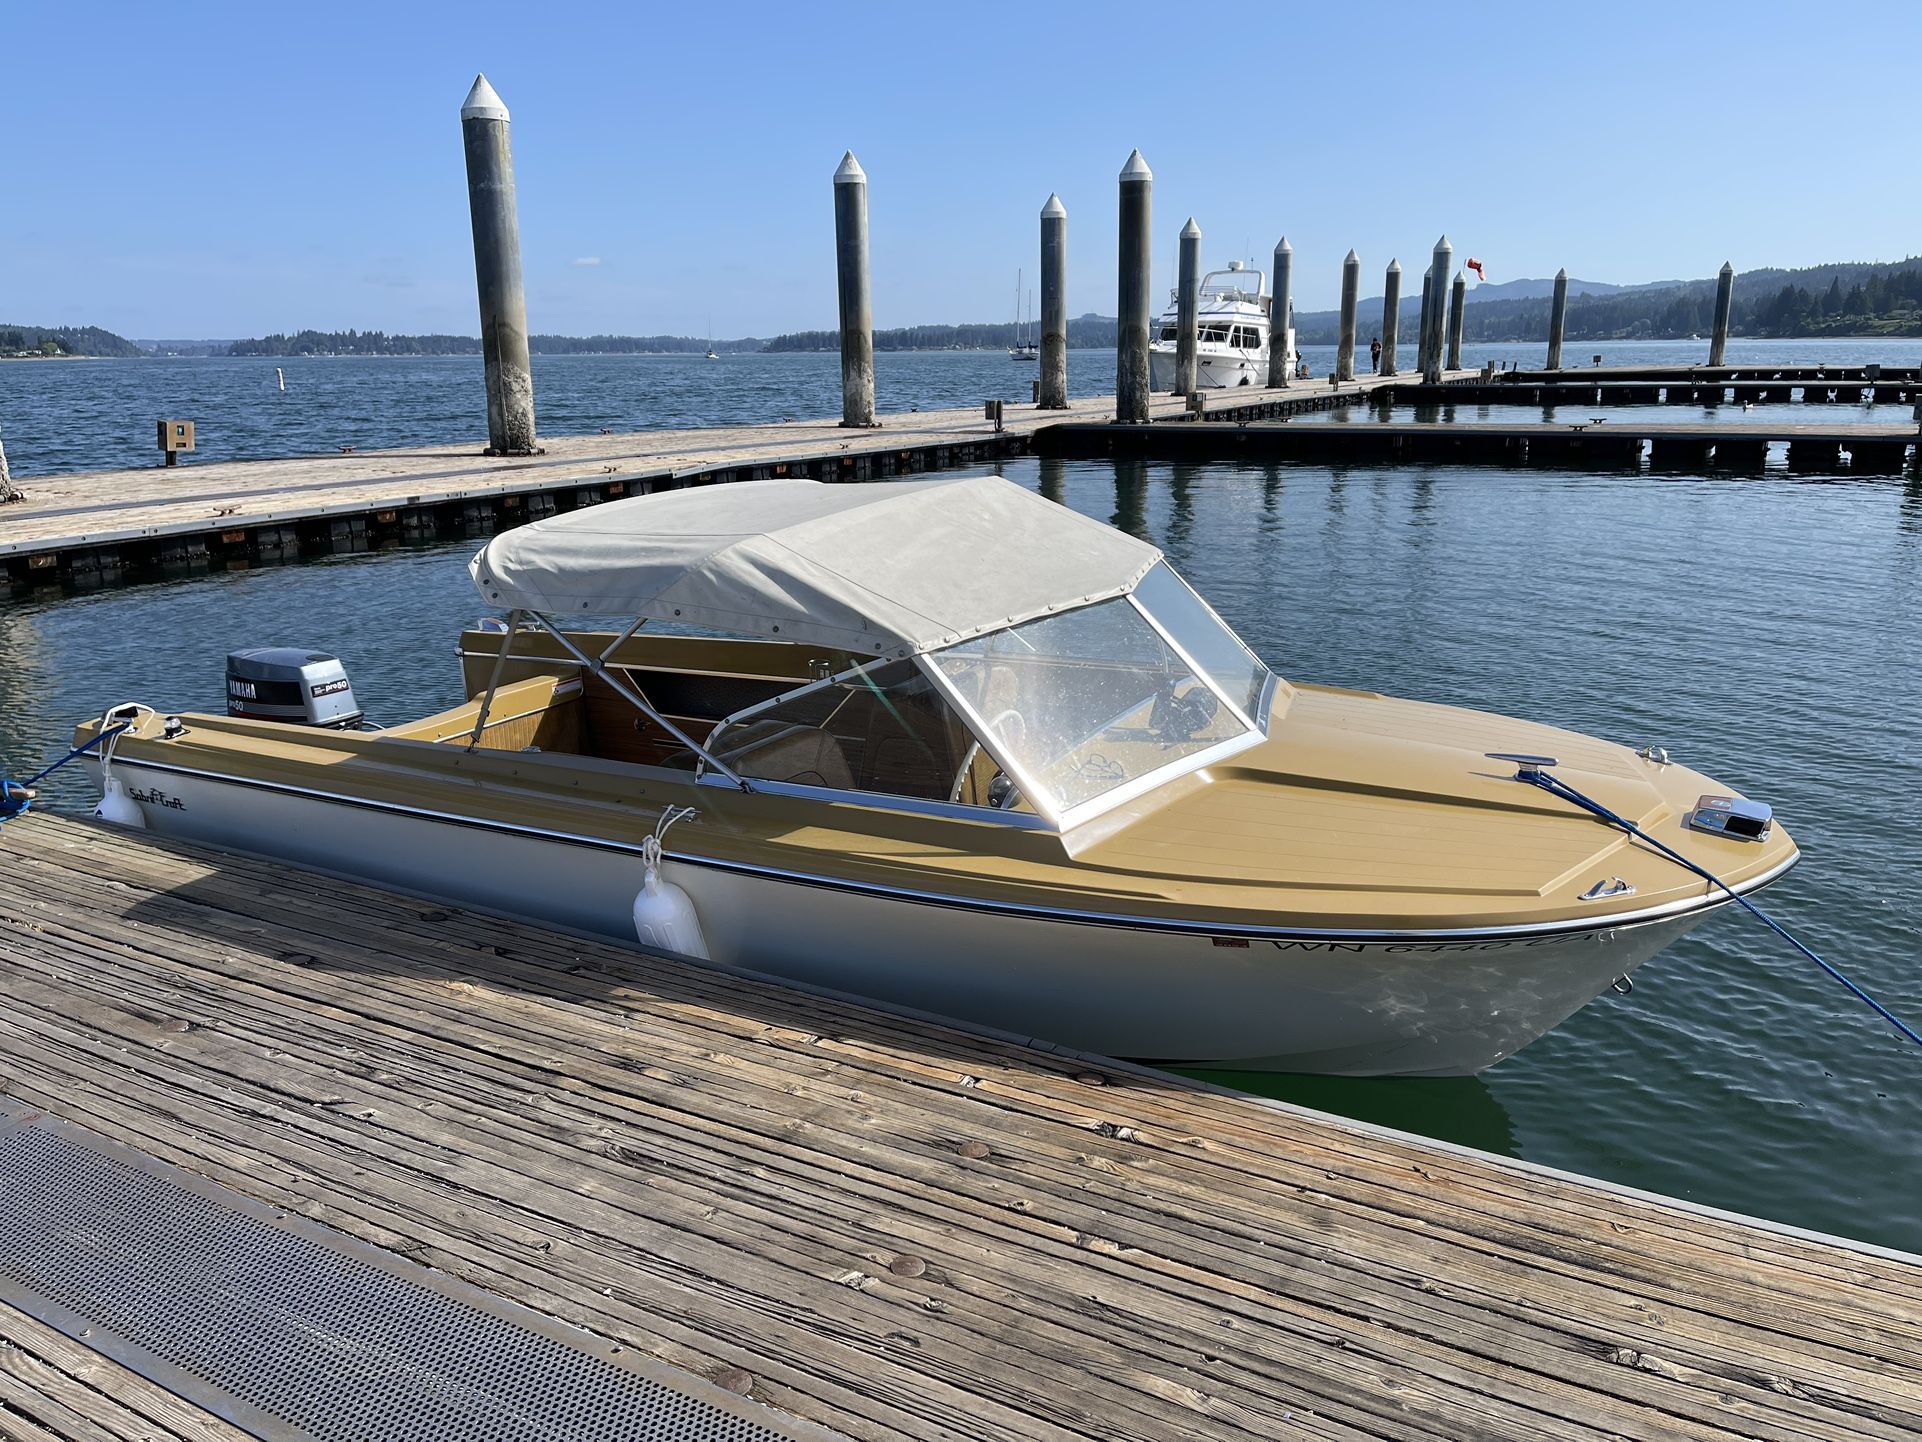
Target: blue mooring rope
(16,797)
(1555,786)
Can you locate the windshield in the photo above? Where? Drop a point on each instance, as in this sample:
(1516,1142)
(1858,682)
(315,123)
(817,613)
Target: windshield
(1086,701)
(1236,671)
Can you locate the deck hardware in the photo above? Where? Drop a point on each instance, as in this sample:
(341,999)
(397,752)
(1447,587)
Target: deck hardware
(1623,984)
(1654,755)
(1609,886)
(1526,766)
(1735,817)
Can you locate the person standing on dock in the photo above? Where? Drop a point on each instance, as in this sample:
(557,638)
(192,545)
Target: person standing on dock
(1374,354)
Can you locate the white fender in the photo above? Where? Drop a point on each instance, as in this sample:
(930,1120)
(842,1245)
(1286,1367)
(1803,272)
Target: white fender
(118,807)
(664,915)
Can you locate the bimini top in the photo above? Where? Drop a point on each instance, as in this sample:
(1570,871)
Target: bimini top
(888,568)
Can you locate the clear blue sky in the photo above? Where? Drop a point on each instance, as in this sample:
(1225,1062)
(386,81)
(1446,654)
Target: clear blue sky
(203,170)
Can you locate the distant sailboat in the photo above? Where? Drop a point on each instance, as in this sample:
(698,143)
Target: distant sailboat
(710,339)
(1023,349)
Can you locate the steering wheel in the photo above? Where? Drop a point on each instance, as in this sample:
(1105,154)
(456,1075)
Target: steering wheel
(1178,718)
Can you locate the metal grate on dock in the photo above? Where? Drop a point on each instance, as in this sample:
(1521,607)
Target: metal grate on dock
(292,1331)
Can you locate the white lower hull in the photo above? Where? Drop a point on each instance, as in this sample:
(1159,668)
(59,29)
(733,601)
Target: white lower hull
(1213,370)
(1411,1006)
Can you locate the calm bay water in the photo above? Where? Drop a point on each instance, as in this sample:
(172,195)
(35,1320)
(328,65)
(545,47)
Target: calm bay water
(1764,628)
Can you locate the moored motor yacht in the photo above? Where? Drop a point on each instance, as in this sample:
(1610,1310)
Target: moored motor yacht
(1231,333)
(954,746)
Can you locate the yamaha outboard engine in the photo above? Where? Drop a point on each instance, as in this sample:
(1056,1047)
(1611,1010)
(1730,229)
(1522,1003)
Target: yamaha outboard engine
(284,683)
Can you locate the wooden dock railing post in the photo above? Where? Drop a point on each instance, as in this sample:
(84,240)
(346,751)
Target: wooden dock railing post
(1278,368)
(1390,318)
(497,272)
(1724,298)
(1053,395)
(1558,319)
(1187,309)
(1136,254)
(851,275)
(1350,293)
(1455,322)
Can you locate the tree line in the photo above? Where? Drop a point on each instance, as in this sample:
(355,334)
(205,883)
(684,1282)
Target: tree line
(376,342)
(1087,331)
(88,340)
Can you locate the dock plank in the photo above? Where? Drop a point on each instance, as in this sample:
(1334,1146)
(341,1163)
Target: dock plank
(734,1175)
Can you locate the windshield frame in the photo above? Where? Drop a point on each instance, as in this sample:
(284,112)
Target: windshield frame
(1041,797)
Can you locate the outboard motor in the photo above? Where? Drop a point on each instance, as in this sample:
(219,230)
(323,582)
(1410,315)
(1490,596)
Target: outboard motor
(284,683)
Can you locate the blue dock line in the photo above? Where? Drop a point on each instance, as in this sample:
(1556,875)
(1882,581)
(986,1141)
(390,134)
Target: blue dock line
(16,797)
(1555,786)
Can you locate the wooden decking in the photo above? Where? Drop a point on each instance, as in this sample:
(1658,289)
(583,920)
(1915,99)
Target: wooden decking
(887,1227)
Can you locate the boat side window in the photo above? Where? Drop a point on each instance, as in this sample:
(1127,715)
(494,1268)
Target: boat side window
(1168,332)
(1218,334)
(1246,337)
(884,728)
(1236,671)
(1087,700)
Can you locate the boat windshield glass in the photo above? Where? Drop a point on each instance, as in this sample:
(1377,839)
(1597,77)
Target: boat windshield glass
(1086,701)
(1235,670)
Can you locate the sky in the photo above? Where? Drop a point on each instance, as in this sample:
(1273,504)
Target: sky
(201,170)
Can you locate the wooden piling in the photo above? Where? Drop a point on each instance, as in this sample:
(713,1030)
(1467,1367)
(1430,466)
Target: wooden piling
(1053,395)
(1187,309)
(1350,291)
(1390,317)
(1135,257)
(1279,370)
(1724,298)
(1426,322)
(497,272)
(851,275)
(1432,362)
(1455,321)
(1558,319)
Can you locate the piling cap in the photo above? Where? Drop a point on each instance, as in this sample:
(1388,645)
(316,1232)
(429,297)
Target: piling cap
(1562,274)
(1394,267)
(1136,168)
(1727,269)
(482,103)
(1351,259)
(1461,277)
(1282,247)
(1054,209)
(850,172)
(1191,231)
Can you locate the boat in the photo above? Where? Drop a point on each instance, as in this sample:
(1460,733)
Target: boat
(1232,327)
(1025,347)
(952,746)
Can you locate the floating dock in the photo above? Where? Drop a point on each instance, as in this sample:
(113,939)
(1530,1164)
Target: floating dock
(849,1222)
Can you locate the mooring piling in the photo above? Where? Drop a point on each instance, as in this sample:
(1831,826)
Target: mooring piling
(1278,303)
(1390,317)
(1558,319)
(1455,321)
(1131,391)
(1187,308)
(1427,319)
(1053,395)
(1724,298)
(1350,292)
(851,276)
(1431,367)
(497,272)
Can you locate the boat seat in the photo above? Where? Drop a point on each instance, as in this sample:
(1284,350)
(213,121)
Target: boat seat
(784,751)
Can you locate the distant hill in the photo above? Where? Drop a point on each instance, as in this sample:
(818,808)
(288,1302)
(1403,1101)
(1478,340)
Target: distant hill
(1846,298)
(375,342)
(1089,331)
(75,340)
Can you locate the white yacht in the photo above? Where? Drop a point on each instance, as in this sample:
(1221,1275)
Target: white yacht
(1232,326)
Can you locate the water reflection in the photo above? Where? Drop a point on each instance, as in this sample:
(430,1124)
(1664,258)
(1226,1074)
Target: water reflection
(1131,498)
(1462,1110)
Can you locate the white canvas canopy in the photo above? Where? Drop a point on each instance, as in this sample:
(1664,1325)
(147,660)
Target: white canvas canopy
(888,568)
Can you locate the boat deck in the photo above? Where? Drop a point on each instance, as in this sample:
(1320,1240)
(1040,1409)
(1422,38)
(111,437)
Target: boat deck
(884,1226)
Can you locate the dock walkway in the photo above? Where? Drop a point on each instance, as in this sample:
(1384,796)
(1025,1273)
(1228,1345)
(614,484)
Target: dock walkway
(885,1227)
(104,527)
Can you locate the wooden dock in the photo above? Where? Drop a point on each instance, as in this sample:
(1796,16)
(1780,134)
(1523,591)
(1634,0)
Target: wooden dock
(1601,442)
(1600,388)
(107,527)
(887,1227)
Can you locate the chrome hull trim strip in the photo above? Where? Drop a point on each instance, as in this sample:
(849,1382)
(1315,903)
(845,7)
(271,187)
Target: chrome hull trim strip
(1196,927)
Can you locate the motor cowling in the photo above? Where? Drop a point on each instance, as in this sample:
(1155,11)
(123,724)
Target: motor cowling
(287,684)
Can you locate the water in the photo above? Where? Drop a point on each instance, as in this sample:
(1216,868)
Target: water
(1764,628)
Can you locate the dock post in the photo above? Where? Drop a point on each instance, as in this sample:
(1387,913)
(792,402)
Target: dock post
(1455,322)
(1053,395)
(1350,291)
(1724,297)
(1390,317)
(1558,319)
(1279,301)
(1426,319)
(497,272)
(1187,309)
(1431,366)
(851,277)
(1136,254)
